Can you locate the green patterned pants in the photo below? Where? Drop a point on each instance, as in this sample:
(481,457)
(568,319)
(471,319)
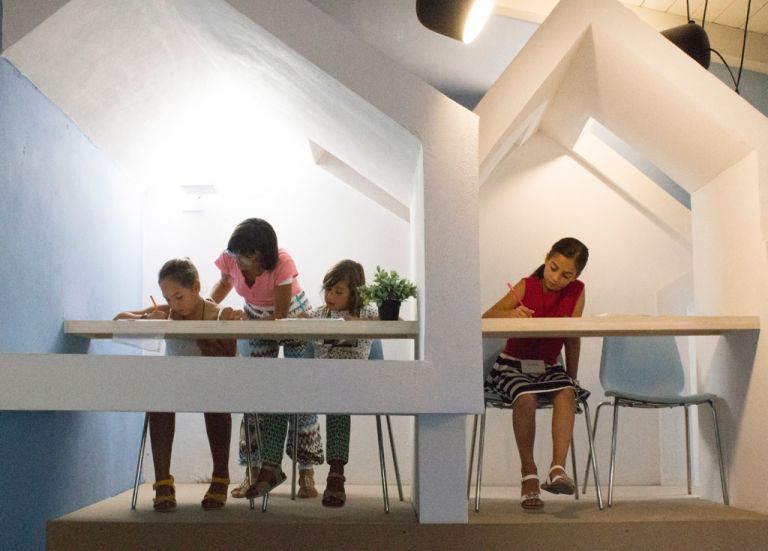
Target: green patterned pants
(337,429)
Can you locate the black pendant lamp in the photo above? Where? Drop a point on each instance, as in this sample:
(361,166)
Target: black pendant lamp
(693,40)
(458,19)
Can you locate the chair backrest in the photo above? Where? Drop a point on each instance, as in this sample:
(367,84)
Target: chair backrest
(491,349)
(650,366)
(377,351)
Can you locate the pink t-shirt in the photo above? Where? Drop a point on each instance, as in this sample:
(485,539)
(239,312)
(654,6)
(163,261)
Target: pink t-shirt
(262,293)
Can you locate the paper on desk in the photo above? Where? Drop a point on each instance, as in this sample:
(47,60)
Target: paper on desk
(311,319)
(150,344)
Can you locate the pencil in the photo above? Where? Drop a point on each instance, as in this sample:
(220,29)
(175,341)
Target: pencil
(514,293)
(154,304)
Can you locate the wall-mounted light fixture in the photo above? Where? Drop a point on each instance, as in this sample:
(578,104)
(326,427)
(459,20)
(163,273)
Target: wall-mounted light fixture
(458,19)
(195,197)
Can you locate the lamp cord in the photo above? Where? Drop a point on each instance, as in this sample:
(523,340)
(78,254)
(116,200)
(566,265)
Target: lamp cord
(743,45)
(736,80)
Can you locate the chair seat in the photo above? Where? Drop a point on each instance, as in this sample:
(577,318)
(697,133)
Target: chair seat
(687,399)
(495,400)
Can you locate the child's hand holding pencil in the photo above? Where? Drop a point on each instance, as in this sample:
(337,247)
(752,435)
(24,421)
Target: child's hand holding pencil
(156,313)
(521,310)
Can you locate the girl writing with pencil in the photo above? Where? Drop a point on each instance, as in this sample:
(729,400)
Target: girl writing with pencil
(180,285)
(533,367)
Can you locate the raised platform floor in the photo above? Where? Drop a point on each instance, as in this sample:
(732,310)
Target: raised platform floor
(641,518)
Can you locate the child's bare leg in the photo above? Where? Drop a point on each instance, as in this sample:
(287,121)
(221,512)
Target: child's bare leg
(563,415)
(162,426)
(218,426)
(524,426)
(564,404)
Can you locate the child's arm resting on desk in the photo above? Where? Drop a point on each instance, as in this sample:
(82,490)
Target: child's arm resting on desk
(220,347)
(573,344)
(152,313)
(367,312)
(510,306)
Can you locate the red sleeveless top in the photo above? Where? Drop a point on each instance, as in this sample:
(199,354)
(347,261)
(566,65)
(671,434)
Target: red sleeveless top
(544,305)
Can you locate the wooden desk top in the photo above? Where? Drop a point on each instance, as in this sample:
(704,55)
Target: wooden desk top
(601,326)
(589,326)
(275,329)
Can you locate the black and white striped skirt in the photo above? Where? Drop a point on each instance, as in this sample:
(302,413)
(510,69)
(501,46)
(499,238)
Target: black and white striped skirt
(507,380)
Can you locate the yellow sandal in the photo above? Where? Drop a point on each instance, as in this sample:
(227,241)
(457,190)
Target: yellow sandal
(213,500)
(164,503)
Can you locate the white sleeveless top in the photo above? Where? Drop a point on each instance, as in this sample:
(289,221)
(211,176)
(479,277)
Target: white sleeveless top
(185,347)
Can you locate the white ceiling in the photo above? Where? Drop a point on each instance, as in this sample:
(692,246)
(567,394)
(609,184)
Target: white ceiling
(465,72)
(731,13)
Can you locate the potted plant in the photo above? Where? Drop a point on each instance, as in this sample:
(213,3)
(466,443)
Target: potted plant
(388,290)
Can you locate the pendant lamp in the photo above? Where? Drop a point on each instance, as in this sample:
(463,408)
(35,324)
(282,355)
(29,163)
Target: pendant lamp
(458,19)
(693,40)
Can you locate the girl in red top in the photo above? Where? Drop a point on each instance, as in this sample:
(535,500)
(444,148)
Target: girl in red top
(529,368)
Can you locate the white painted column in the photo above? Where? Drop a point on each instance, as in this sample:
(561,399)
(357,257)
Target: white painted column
(440,483)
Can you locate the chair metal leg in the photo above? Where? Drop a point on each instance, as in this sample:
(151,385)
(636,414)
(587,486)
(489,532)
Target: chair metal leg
(720,456)
(613,451)
(394,459)
(592,432)
(295,454)
(687,449)
(479,478)
(140,462)
(382,465)
(573,464)
(592,454)
(471,456)
(249,468)
(259,442)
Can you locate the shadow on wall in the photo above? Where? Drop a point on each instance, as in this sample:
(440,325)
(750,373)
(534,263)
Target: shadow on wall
(730,371)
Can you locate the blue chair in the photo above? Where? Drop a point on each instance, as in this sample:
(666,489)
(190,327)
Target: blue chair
(646,372)
(491,350)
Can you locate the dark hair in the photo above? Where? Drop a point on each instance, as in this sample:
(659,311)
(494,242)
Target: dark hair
(180,270)
(351,272)
(569,247)
(255,235)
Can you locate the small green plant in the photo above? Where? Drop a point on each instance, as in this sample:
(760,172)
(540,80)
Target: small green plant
(387,286)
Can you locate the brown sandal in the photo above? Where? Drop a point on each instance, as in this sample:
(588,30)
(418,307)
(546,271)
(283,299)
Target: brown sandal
(213,500)
(559,483)
(334,498)
(263,486)
(307,484)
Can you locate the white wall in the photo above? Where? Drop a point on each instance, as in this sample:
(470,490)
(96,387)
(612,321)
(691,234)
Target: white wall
(319,220)
(728,266)
(537,195)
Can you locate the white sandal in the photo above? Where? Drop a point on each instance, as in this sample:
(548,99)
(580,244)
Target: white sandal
(560,483)
(532,500)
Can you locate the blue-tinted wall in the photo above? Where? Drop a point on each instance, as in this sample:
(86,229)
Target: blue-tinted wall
(70,248)
(753,86)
